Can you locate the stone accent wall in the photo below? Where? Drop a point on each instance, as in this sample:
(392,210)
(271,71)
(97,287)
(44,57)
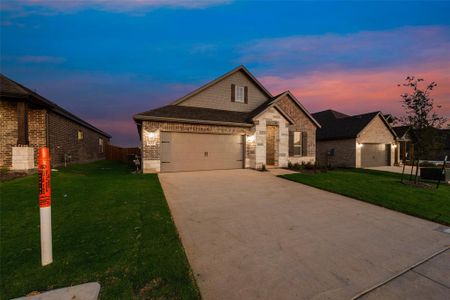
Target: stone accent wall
(151,144)
(63,139)
(344,153)
(376,132)
(9,132)
(271,117)
(302,123)
(218,96)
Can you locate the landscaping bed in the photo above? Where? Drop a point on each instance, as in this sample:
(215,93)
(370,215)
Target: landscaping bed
(383,189)
(109,226)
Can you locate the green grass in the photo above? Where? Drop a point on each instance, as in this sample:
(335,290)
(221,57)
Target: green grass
(383,189)
(109,226)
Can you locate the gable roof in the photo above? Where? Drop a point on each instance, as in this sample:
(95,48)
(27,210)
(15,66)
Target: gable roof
(337,125)
(16,91)
(272,103)
(211,83)
(401,130)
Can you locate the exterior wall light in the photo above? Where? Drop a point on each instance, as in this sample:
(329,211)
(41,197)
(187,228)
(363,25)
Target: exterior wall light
(359,145)
(151,135)
(251,139)
(394,146)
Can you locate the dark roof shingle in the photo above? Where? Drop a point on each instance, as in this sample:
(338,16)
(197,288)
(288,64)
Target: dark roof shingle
(195,113)
(336,125)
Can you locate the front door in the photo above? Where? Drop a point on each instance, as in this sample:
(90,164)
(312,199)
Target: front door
(270,145)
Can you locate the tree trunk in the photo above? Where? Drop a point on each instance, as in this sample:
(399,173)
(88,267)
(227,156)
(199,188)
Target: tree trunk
(417,171)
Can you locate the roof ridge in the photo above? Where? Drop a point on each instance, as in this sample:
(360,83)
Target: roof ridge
(214,81)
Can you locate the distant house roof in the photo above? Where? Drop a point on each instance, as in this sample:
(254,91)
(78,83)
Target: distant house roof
(337,125)
(401,130)
(15,91)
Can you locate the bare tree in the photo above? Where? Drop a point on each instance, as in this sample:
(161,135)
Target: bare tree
(421,116)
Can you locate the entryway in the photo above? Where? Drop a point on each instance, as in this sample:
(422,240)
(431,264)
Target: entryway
(271,140)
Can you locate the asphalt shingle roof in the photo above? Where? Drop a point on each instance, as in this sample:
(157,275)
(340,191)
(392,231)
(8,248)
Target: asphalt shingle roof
(11,89)
(336,125)
(196,113)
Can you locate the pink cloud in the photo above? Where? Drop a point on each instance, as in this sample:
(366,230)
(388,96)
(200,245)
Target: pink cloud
(359,91)
(135,6)
(41,59)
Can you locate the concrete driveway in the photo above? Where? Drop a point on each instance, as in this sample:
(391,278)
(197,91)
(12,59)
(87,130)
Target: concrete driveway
(251,235)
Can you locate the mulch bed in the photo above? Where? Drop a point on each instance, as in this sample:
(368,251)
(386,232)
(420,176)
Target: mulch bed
(6,176)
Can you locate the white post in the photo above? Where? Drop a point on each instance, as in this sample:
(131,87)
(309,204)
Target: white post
(45,208)
(46,235)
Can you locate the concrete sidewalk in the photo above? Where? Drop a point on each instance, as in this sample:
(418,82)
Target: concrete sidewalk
(428,280)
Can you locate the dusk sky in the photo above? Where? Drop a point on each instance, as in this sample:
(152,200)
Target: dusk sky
(108,60)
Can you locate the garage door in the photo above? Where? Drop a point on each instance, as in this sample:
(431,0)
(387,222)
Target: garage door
(192,152)
(375,155)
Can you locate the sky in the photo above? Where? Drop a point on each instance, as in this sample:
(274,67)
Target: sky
(108,60)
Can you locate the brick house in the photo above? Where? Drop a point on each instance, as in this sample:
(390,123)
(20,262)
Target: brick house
(29,121)
(230,122)
(365,140)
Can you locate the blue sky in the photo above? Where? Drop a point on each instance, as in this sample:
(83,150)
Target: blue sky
(106,61)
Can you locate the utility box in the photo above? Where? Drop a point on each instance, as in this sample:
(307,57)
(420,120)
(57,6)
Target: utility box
(435,174)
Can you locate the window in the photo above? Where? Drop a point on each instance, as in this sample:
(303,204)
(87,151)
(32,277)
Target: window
(80,135)
(297,143)
(100,145)
(240,94)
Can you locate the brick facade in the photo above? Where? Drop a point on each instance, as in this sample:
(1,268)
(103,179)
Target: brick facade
(8,132)
(63,140)
(61,136)
(303,124)
(344,153)
(347,153)
(151,144)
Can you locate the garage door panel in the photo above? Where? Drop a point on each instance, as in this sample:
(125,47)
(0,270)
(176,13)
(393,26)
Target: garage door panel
(190,152)
(374,155)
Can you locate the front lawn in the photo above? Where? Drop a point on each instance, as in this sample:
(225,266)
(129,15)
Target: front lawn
(109,226)
(384,189)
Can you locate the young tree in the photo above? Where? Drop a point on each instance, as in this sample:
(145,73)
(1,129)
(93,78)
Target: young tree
(421,116)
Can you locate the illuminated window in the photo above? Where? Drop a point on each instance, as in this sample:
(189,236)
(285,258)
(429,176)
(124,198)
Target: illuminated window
(297,143)
(100,145)
(80,135)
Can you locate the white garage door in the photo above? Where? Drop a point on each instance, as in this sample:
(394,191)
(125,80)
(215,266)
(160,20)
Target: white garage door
(192,152)
(375,155)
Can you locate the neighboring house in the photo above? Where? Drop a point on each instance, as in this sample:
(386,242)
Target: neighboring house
(405,150)
(231,122)
(365,140)
(28,121)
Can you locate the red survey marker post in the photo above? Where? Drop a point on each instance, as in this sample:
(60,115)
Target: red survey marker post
(45,208)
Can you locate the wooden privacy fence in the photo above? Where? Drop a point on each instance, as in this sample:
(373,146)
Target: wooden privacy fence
(120,154)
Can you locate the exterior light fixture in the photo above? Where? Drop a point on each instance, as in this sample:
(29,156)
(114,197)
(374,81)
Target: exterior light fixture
(251,138)
(151,135)
(394,145)
(358,145)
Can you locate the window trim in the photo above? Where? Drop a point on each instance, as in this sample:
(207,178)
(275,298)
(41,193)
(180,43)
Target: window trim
(239,94)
